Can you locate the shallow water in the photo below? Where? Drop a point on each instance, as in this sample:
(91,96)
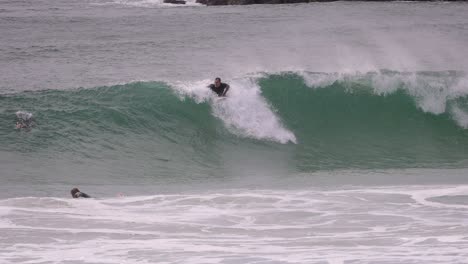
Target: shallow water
(390,224)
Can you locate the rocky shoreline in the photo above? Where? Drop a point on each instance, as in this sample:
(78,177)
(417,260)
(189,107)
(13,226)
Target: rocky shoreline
(253,2)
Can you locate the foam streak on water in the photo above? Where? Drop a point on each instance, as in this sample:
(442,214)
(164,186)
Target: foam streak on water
(379,225)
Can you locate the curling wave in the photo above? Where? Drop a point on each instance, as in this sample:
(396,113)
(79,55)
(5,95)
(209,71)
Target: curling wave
(318,120)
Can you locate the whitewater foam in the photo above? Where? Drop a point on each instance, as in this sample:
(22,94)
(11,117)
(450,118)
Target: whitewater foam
(23,115)
(432,91)
(460,116)
(377,224)
(245,112)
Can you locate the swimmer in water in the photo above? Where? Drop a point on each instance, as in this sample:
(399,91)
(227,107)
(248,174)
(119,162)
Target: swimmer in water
(77,194)
(24,120)
(24,124)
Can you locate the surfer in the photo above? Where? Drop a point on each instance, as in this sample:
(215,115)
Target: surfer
(219,88)
(77,194)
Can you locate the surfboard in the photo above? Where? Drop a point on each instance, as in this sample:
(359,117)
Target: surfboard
(221,98)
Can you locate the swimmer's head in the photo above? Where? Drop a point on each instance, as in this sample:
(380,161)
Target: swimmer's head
(74,191)
(217,81)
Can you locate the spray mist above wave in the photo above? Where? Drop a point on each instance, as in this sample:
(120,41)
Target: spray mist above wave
(245,112)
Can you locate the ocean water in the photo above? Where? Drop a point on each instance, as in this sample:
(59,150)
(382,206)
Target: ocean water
(344,138)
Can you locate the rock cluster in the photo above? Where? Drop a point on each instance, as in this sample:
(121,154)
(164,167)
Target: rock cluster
(176,2)
(250,2)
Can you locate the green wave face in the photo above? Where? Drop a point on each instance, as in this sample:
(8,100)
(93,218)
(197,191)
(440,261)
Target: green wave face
(70,119)
(132,127)
(348,123)
(311,121)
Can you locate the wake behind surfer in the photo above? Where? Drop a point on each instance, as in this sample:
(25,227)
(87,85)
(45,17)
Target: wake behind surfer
(219,88)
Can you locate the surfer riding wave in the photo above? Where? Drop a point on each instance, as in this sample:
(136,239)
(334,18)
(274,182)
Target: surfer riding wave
(219,88)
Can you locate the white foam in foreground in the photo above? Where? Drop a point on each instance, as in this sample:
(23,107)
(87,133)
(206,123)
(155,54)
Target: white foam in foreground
(377,225)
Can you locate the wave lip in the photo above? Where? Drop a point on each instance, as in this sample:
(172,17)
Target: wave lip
(433,92)
(380,119)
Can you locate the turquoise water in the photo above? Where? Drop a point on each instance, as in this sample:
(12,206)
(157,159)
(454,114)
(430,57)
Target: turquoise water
(343,139)
(158,133)
(344,123)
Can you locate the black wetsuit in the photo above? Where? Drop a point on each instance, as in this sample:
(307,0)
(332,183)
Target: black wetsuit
(77,194)
(220,89)
(81,195)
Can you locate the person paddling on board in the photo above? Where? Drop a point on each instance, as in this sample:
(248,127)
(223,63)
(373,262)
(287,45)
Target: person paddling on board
(219,88)
(77,194)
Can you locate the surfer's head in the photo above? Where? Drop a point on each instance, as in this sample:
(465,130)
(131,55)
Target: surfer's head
(74,191)
(217,81)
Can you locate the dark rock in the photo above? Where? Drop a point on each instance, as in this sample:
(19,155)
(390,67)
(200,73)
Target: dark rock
(252,2)
(213,2)
(176,2)
(241,2)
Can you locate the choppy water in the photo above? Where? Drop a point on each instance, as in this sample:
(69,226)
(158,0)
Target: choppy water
(377,225)
(344,138)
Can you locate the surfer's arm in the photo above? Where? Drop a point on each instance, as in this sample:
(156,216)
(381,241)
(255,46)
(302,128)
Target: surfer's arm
(226,90)
(81,195)
(84,195)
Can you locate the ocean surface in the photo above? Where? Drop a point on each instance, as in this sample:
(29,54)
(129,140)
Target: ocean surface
(344,138)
